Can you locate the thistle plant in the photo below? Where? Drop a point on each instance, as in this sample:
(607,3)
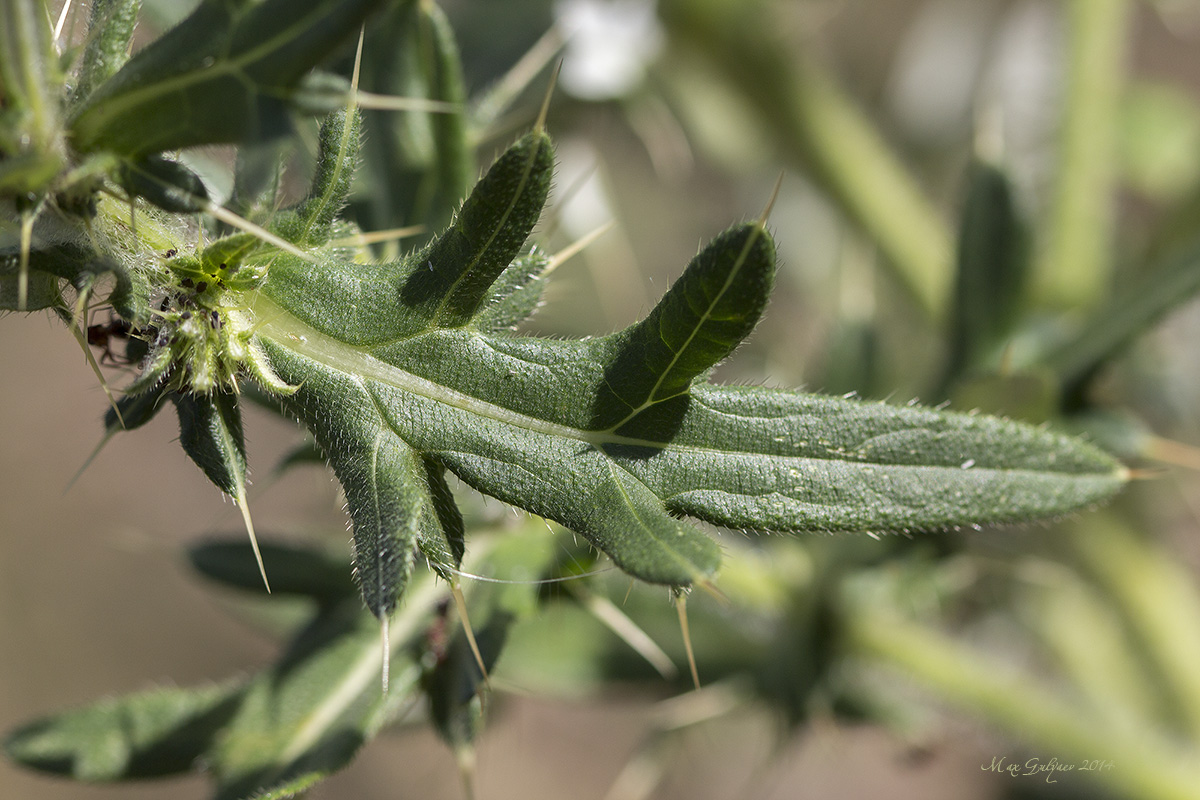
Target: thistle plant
(407,369)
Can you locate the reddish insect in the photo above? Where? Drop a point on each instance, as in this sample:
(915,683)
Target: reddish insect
(103,335)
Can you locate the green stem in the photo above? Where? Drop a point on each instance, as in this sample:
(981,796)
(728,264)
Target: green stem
(1144,765)
(1075,263)
(1158,599)
(1116,324)
(817,126)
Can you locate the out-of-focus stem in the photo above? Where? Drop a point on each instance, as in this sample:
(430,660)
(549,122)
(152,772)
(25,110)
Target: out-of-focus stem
(1076,257)
(818,127)
(1143,765)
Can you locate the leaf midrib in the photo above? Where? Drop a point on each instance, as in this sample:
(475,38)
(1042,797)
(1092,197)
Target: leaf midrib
(280,326)
(497,227)
(651,399)
(226,65)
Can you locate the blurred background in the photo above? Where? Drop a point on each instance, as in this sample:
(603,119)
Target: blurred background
(988,203)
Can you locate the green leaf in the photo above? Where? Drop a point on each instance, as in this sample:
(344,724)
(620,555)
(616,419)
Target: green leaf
(992,270)
(221,75)
(167,184)
(143,735)
(294,570)
(611,437)
(30,82)
(210,430)
(443,284)
(426,156)
(310,223)
(306,717)
(515,295)
(110,34)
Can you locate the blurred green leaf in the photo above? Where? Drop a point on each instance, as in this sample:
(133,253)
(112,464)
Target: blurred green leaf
(991,273)
(31,81)
(1160,140)
(167,184)
(144,735)
(1075,261)
(222,75)
(1129,314)
(294,570)
(111,25)
(306,717)
(412,53)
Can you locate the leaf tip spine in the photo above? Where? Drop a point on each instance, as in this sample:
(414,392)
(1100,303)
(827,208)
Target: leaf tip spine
(681,607)
(711,589)
(385,642)
(460,604)
(540,125)
(352,101)
(244,507)
(766,212)
(1127,474)
(573,249)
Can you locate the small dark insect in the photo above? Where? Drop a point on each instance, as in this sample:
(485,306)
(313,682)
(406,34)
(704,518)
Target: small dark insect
(171,253)
(102,336)
(216,320)
(187,283)
(437,637)
(202,286)
(163,337)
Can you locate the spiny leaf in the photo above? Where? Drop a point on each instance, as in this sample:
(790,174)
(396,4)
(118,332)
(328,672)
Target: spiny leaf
(486,235)
(611,437)
(442,284)
(702,318)
(210,430)
(515,295)
(309,224)
(221,75)
(442,538)
(397,499)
